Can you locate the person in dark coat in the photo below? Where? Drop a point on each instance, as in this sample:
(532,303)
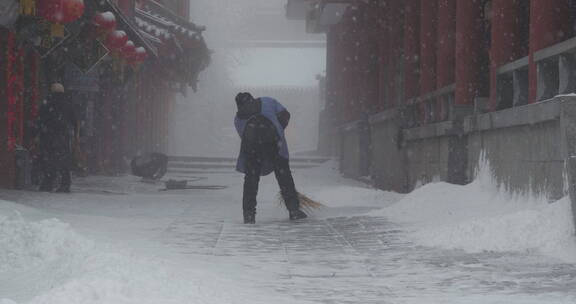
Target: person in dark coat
(56,122)
(260,124)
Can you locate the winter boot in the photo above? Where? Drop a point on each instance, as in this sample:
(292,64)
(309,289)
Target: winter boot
(297,215)
(249,218)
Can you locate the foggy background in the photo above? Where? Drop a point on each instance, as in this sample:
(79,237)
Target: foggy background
(255,49)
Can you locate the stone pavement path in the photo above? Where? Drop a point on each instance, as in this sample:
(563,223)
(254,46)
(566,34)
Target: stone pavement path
(360,259)
(326,259)
(366,260)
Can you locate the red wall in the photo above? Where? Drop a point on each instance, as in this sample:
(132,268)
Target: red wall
(439,42)
(18,102)
(412,48)
(446,45)
(507,43)
(428,45)
(6,166)
(469,34)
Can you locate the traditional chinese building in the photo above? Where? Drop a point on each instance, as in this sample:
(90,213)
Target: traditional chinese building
(422,90)
(122,63)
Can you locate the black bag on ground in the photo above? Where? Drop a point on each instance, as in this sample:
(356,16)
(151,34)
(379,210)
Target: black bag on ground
(150,166)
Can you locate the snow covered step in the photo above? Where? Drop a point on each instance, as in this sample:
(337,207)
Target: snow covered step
(219,160)
(223,166)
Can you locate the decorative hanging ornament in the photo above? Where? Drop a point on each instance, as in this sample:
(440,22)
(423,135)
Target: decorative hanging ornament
(105,22)
(57,30)
(116,40)
(28,7)
(51,10)
(128,50)
(60,11)
(140,55)
(73,10)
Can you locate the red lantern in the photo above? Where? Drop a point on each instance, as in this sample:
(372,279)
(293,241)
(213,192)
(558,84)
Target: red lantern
(73,10)
(105,21)
(116,40)
(51,10)
(140,55)
(128,50)
(60,11)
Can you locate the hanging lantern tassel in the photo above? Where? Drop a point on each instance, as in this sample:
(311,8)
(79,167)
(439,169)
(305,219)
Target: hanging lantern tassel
(28,7)
(122,70)
(137,58)
(117,65)
(57,30)
(115,40)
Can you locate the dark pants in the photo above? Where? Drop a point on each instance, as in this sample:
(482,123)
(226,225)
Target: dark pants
(256,154)
(55,164)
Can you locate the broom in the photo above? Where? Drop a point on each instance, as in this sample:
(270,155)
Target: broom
(309,205)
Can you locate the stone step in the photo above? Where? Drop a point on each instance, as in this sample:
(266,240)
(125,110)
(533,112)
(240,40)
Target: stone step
(200,159)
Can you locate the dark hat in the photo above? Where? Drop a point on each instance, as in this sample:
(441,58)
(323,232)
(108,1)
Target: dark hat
(243,98)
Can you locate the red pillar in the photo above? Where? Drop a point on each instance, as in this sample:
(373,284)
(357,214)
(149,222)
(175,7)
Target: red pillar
(412,48)
(336,73)
(395,18)
(345,76)
(506,39)
(428,26)
(385,47)
(332,73)
(446,42)
(6,156)
(469,31)
(350,81)
(365,58)
(549,24)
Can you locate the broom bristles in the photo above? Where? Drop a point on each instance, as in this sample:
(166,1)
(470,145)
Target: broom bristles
(306,203)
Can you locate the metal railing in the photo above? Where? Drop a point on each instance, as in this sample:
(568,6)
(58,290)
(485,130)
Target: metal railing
(556,66)
(430,108)
(512,84)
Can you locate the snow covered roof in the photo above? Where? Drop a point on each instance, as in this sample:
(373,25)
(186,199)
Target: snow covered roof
(163,28)
(134,32)
(156,31)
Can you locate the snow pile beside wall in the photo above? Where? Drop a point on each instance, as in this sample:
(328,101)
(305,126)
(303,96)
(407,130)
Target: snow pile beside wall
(546,230)
(482,216)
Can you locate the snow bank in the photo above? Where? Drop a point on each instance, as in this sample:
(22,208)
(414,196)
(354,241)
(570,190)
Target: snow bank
(547,230)
(47,262)
(116,278)
(482,216)
(26,245)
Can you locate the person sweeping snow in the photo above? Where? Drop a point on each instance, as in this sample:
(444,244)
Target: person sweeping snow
(260,123)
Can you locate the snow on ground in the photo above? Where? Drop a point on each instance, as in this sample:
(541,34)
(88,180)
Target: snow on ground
(46,261)
(43,259)
(117,240)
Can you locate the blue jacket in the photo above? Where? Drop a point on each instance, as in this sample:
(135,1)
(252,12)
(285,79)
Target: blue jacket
(270,108)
